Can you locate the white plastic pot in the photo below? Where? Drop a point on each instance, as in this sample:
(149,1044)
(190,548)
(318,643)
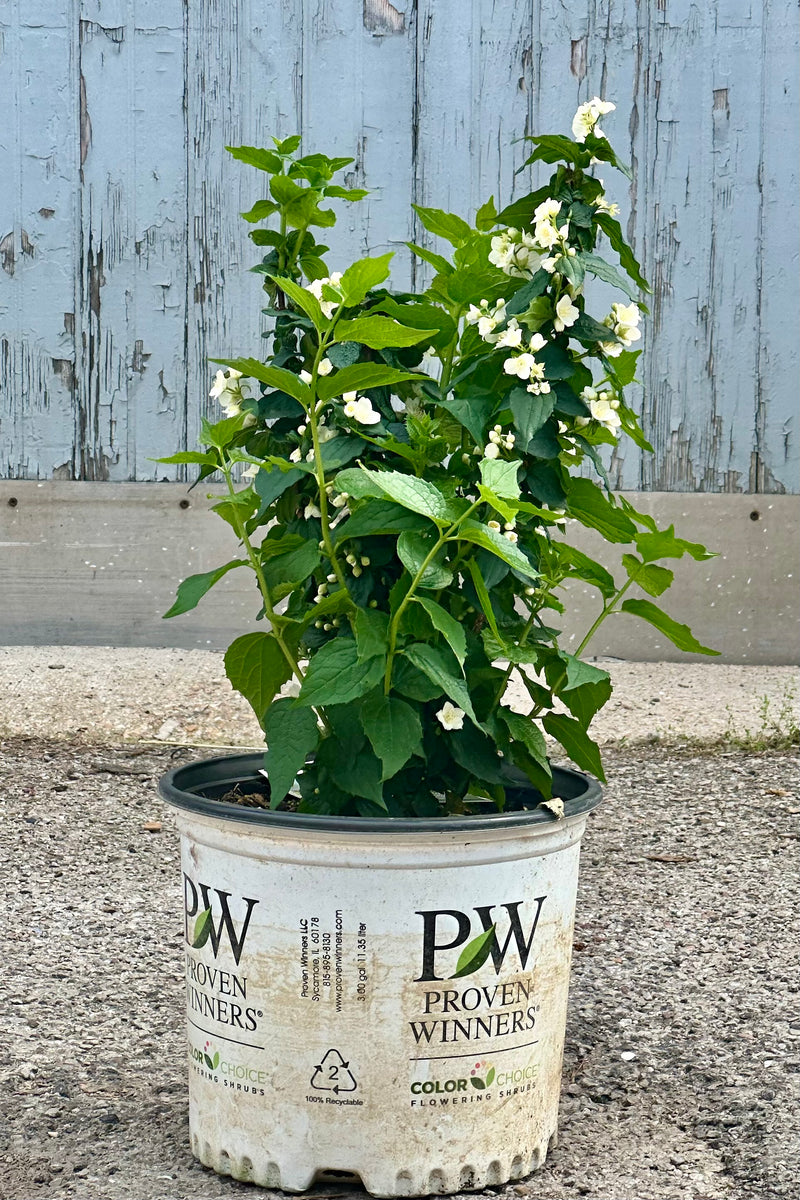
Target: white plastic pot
(347,1008)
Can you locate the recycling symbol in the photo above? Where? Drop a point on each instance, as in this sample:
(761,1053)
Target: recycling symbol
(333,1074)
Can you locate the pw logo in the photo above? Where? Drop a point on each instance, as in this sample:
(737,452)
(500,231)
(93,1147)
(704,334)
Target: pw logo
(477,949)
(206,927)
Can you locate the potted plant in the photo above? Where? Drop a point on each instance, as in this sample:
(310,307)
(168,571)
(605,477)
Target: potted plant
(379,908)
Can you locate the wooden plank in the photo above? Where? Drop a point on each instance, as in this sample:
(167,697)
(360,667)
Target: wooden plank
(38,165)
(98,564)
(774,465)
(131,316)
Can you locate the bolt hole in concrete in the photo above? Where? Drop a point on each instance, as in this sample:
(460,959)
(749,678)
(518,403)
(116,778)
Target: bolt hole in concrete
(184,504)
(755,515)
(12,501)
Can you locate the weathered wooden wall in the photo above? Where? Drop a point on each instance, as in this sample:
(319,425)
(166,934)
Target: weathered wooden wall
(123,262)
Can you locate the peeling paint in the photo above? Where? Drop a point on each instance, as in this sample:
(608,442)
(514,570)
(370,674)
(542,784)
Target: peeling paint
(381,17)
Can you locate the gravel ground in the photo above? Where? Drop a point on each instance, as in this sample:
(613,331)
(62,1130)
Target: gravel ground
(683,1044)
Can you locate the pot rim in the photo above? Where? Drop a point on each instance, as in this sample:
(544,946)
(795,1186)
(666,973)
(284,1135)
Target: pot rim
(182,788)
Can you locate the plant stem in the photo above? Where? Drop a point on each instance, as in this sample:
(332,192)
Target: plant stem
(319,470)
(447,365)
(607,610)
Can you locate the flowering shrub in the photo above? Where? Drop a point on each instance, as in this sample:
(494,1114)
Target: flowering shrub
(401,472)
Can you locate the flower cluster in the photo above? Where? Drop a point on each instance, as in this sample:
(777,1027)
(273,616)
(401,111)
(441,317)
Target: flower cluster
(498,441)
(585,120)
(315,287)
(603,406)
(623,320)
(515,253)
(230,392)
(359,408)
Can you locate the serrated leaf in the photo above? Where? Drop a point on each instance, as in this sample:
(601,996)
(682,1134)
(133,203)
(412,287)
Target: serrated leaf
(360,377)
(202,929)
(306,301)
(650,578)
(190,456)
(284,572)
(436,665)
(583,751)
(523,729)
(603,270)
(380,517)
(428,256)
(489,539)
(474,955)
(473,412)
(663,543)
(257,667)
(362,277)
(394,731)
(372,633)
(260,211)
(271,482)
(476,753)
(413,549)
(483,596)
(588,504)
(585,568)
(501,477)
(613,231)
(486,216)
(335,676)
(292,734)
(530,413)
(193,588)
(452,228)
(417,494)
(255,156)
(379,332)
(680,635)
(447,625)
(275,377)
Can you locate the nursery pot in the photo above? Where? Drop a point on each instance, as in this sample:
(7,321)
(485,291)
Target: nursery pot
(375,996)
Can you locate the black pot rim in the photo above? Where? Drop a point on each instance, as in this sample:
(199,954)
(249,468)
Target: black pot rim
(183,787)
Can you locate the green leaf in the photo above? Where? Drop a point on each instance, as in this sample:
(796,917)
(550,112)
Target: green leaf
(452,228)
(411,682)
(264,160)
(362,277)
(590,332)
(192,589)
(394,731)
(603,270)
(650,578)
(489,539)
(447,625)
(473,412)
(579,746)
(530,413)
(483,596)
(284,572)
(355,774)
(335,675)
(256,667)
(220,433)
(379,332)
(680,635)
(501,477)
(522,298)
(486,216)
(664,544)
(260,211)
(580,672)
(351,194)
(202,929)
(476,753)
(523,729)
(436,665)
(372,633)
(339,450)
(413,549)
(380,517)
(416,494)
(613,231)
(588,504)
(475,954)
(428,256)
(624,367)
(585,568)
(344,354)
(306,301)
(360,377)
(271,482)
(275,377)
(190,456)
(292,734)
(554,147)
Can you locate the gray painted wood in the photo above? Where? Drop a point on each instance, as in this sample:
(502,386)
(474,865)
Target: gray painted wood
(124,263)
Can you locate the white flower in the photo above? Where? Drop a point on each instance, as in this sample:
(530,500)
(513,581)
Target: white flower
(511,336)
(587,116)
(325,434)
(311,510)
(315,287)
(491,451)
(306,376)
(605,415)
(495,525)
(349,397)
(361,410)
(291,689)
(222,383)
(450,716)
(296,455)
(566,314)
(546,211)
(537,343)
(522,365)
(602,205)
(511,536)
(251,471)
(538,388)
(549,265)
(325,367)
(229,392)
(589,393)
(612,349)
